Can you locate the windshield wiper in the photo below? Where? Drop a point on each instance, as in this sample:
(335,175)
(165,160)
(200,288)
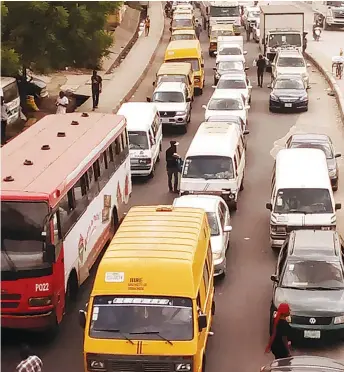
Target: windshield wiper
(11,264)
(297,211)
(324,288)
(115,331)
(291,287)
(152,333)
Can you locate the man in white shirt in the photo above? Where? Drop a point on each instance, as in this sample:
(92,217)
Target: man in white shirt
(4,118)
(62,103)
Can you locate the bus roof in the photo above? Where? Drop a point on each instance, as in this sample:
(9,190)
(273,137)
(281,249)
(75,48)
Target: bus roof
(214,139)
(172,68)
(139,115)
(157,244)
(183,32)
(183,49)
(71,148)
(301,168)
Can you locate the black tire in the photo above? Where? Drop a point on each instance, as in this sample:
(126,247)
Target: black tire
(158,158)
(71,293)
(200,91)
(204,362)
(234,206)
(184,129)
(335,187)
(215,81)
(242,184)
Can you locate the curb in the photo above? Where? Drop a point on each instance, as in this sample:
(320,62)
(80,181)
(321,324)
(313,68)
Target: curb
(129,94)
(331,81)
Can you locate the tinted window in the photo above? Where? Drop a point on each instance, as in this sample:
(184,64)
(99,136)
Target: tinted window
(168,97)
(225,104)
(138,140)
(290,62)
(325,147)
(230,51)
(290,39)
(10,92)
(231,84)
(219,11)
(289,84)
(213,223)
(208,167)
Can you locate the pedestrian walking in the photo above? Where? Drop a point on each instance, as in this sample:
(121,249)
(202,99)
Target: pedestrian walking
(96,82)
(198,28)
(248,31)
(279,343)
(61,103)
(30,362)
(173,166)
(147,25)
(261,65)
(4,120)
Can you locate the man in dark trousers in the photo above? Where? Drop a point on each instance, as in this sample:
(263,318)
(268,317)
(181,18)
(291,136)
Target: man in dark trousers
(261,65)
(172,166)
(96,82)
(4,119)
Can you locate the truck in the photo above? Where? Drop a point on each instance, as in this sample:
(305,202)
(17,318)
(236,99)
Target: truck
(329,13)
(280,26)
(224,12)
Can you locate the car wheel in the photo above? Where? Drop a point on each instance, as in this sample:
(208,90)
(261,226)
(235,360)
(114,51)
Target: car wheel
(242,183)
(335,187)
(200,91)
(158,158)
(184,129)
(271,109)
(224,272)
(306,109)
(250,100)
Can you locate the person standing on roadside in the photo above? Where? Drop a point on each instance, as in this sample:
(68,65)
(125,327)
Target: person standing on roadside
(198,28)
(96,82)
(30,362)
(147,25)
(173,166)
(4,119)
(62,103)
(279,343)
(248,31)
(261,65)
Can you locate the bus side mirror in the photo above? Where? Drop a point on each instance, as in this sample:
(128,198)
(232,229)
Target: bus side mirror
(49,254)
(82,318)
(338,206)
(202,322)
(268,206)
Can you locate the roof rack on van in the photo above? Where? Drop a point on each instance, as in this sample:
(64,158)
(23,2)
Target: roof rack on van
(164,208)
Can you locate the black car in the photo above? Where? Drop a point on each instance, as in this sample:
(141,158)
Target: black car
(310,278)
(288,93)
(305,363)
(322,142)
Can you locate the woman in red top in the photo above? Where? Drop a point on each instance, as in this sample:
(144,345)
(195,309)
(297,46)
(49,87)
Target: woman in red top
(279,343)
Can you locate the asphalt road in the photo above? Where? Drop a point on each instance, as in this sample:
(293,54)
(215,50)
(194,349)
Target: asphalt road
(243,298)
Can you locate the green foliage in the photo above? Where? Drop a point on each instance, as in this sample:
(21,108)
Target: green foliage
(46,35)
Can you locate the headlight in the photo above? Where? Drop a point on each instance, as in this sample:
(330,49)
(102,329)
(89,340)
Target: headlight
(279,229)
(182,367)
(332,172)
(273,97)
(197,79)
(96,365)
(339,319)
(40,301)
(304,98)
(180,113)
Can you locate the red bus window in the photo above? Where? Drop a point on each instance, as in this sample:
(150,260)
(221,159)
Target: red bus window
(102,165)
(110,154)
(96,170)
(106,160)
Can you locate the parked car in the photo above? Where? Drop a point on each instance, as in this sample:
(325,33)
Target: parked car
(309,277)
(322,142)
(288,93)
(231,119)
(219,222)
(236,82)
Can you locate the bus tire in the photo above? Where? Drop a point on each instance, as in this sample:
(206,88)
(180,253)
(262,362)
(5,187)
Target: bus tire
(72,291)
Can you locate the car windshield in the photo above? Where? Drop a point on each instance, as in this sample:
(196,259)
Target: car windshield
(217,33)
(290,62)
(277,40)
(225,104)
(172,78)
(306,201)
(253,14)
(289,84)
(230,51)
(208,167)
(182,23)
(22,224)
(183,37)
(214,226)
(230,65)
(231,84)
(10,92)
(138,140)
(144,318)
(313,274)
(168,97)
(325,147)
(194,62)
(219,11)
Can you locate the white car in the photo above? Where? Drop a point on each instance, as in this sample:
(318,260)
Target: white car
(223,102)
(235,83)
(232,67)
(219,222)
(290,62)
(173,104)
(230,52)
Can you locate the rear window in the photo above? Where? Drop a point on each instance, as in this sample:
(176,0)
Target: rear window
(10,92)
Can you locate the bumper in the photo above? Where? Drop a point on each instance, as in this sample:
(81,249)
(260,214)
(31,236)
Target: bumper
(288,106)
(175,121)
(140,172)
(316,333)
(199,84)
(40,321)
(219,266)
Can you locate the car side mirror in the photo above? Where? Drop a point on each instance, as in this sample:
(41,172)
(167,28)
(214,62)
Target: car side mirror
(227,229)
(202,322)
(247,107)
(202,64)
(249,87)
(148,99)
(246,68)
(49,254)
(204,106)
(308,87)
(213,86)
(188,99)
(274,278)
(338,206)
(245,52)
(214,68)
(170,29)
(270,86)
(246,132)
(338,155)
(82,318)
(215,53)
(309,65)
(153,83)
(268,206)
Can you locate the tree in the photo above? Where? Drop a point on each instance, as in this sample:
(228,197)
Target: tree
(46,35)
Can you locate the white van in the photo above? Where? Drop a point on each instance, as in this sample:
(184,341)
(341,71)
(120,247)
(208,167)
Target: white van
(215,162)
(301,194)
(9,90)
(145,136)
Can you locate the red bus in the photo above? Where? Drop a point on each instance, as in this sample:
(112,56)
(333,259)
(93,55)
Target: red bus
(66,181)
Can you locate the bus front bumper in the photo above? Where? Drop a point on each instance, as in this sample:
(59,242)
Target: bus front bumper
(41,321)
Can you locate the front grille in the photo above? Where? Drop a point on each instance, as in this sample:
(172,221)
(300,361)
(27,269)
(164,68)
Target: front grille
(124,366)
(167,114)
(288,99)
(9,305)
(305,320)
(10,296)
(338,14)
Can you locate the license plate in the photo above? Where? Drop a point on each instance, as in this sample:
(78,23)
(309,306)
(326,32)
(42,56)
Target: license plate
(165,120)
(288,105)
(311,334)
